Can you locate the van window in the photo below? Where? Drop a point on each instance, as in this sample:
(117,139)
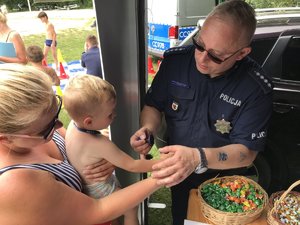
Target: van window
(291,61)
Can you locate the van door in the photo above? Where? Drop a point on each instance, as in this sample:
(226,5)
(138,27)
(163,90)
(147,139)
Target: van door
(171,21)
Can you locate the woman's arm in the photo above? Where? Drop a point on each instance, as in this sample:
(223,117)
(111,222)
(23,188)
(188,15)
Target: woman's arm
(47,201)
(20,50)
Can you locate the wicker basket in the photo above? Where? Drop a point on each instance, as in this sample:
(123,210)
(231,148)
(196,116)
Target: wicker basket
(219,217)
(273,217)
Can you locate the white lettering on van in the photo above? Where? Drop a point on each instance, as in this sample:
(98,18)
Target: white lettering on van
(184,34)
(157,44)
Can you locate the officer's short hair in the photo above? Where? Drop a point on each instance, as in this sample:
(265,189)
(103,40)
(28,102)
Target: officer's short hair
(240,13)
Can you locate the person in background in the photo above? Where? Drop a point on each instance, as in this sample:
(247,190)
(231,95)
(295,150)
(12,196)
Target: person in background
(51,38)
(90,58)
(12,48)
(35,57)
(90,102)
(36,178)
(217,104)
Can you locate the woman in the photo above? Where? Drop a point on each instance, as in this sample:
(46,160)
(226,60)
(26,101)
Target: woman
(37,184)
(12,48)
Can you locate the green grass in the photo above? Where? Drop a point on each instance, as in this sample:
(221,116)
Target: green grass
(71,49)
(70,42)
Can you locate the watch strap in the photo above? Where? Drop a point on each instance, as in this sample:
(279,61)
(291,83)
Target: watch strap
(202,166)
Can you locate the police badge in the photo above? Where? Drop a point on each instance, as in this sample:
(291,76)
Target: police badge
(223,126)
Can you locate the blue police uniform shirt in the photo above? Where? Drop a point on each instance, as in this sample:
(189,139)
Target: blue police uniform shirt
(234,108)
(91,60)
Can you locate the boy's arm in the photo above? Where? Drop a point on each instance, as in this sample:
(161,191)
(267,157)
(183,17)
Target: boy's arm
(122,160)
(53,33)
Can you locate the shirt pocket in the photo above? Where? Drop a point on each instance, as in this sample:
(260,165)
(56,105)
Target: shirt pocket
(180,103)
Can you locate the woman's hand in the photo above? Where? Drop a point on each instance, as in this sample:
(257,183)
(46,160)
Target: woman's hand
(99,171)
(174,169)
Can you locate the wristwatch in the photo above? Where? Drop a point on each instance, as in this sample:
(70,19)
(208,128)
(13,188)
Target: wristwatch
(202,166)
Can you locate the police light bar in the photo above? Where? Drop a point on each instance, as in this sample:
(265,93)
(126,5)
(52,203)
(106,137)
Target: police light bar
(173,32)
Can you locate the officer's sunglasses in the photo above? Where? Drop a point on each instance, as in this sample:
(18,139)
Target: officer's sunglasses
(48,132)
(214,58)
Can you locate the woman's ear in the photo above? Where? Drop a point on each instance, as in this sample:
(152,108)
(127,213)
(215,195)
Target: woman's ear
(244,52)
(4,139)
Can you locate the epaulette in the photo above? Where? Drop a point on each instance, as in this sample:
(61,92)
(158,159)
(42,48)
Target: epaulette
(177,50)
(262,79)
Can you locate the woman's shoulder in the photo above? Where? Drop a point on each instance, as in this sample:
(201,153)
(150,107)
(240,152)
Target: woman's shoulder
(17,182)
(12,34)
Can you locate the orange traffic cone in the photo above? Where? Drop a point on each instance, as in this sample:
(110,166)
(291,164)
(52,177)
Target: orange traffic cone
(44,62)
(63,74)
(150,65)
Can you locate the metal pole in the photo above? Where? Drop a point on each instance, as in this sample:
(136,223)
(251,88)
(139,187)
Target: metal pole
(29,7)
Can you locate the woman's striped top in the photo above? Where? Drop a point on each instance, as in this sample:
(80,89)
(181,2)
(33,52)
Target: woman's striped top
(62,171)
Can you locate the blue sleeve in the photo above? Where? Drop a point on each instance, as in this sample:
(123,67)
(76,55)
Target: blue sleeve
(250,128)
(83,60)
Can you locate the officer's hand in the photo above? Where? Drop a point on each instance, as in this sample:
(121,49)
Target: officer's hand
(140,141)
(99,171)
(176,168)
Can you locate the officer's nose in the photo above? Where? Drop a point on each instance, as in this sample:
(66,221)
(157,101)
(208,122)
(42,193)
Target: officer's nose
(202,56)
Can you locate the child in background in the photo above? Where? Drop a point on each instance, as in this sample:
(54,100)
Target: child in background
(51,38)
(90,102)
(35,57)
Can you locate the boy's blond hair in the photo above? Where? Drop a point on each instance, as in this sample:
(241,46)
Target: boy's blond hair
(84,92)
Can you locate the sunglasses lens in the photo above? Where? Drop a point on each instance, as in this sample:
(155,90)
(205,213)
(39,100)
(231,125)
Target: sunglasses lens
(202,49)
(215,59)
(198,46)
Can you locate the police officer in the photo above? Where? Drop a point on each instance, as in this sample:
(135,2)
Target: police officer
(217,103)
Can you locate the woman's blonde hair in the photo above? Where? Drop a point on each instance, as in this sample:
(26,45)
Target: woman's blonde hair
(3,18)
(25,94)
(84,92)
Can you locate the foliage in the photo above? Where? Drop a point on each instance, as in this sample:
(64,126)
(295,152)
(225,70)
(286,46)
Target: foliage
(22,5)
(272,3)
(70,47)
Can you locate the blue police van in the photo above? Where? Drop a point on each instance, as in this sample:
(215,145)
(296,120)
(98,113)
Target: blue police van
(170,22)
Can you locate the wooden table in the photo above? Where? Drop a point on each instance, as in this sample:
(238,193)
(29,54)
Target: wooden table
(194,212)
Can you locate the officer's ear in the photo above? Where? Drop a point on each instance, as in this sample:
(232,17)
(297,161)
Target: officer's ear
(243,53)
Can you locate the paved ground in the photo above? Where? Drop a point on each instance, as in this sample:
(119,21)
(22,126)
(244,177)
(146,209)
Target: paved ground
(27,23)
